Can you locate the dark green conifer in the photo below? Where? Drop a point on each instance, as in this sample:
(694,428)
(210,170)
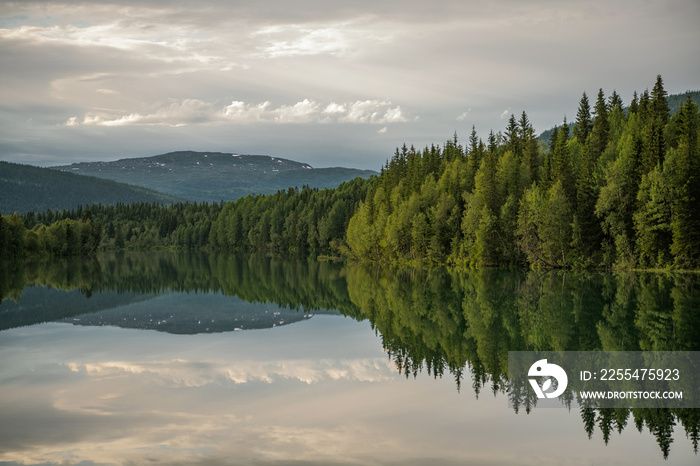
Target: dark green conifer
(583,120)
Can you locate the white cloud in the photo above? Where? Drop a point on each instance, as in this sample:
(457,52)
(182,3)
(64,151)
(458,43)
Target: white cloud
(331,38)
(334,108)
(301,112)
(373,111)
(198,112)
(201,373)
(506,113)
(185,112)
(382,130)
(241,112)
(463,116)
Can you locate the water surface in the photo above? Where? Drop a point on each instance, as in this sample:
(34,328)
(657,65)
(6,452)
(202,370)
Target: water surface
(215,359)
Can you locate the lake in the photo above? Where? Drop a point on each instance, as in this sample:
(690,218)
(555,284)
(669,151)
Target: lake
(179,358)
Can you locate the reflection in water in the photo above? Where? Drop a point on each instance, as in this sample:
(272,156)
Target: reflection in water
(442,320)
(461,323)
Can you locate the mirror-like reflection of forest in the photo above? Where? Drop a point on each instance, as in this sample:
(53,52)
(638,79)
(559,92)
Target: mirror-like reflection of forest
(444,322)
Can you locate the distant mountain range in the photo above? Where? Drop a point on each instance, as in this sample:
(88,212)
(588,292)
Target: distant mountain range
(166,178)
(215,176)
(24,188)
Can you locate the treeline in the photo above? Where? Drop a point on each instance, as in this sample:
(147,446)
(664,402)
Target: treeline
(618,188)
(123,226)
(309,220)
(63,237)
(291,221)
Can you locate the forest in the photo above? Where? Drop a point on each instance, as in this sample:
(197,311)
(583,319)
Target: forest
(617,188)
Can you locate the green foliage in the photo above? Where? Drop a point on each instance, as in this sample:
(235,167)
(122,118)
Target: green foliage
(622,192)
(685,224)
(309,220)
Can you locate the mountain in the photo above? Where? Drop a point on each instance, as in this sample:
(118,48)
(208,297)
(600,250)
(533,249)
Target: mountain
(24,188)
(215,176)
(189,314)
(172,312)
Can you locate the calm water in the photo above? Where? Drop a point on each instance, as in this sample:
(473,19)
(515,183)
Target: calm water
(172,358)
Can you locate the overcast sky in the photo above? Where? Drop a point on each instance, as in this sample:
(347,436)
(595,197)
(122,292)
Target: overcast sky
(331,83)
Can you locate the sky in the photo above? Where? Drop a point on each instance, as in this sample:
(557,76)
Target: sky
(329,83)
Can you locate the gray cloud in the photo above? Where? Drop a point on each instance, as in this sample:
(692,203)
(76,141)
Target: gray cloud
(97,73)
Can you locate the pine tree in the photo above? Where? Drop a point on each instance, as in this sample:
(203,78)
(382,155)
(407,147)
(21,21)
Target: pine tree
(634,105)
(476,154)
(655,143)
(530,156)
(561,167)
(583,120)
(615,102)
(601,128)
(512,137)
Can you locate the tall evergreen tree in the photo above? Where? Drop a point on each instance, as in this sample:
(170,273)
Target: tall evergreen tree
(583,120)
(512,137)
(561,168)
(615,102)
(601,128)
(634,105)
(658,115)
(476,154)
(530,152)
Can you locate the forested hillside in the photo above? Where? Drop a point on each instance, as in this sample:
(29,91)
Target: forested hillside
(24,188)
(622,189)
(291,221)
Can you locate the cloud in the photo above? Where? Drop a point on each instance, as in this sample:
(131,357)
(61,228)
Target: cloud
(186,112)
(301,112)
(240,112)
(221,53)
(463,116)
(505,113)
(201,373)
(382,130)
(290,41)
(198,112)
(373,111)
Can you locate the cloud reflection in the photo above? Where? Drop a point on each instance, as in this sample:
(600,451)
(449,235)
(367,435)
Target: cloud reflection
(179,372)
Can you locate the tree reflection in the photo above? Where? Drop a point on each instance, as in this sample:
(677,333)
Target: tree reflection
(438,321)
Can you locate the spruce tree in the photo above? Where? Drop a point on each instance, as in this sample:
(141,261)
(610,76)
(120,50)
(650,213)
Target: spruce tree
(476,152)
(530,152)
(634,105)
(658,118)
(601,128)
(512,137)
(583,120)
